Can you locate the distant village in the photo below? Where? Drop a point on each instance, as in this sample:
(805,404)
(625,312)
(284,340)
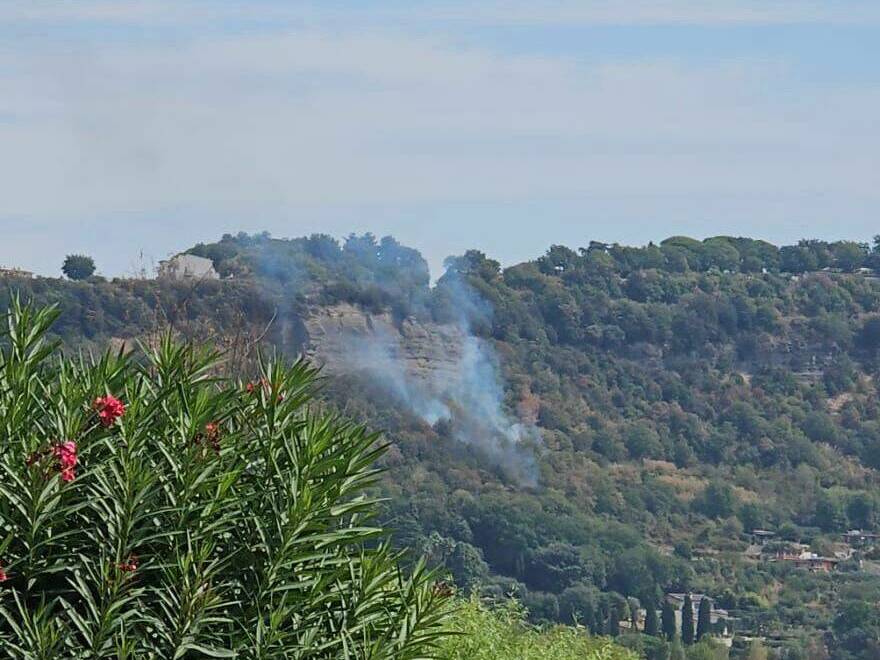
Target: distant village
(854,546)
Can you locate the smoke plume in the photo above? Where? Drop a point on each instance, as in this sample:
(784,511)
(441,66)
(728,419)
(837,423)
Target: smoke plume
(466,394)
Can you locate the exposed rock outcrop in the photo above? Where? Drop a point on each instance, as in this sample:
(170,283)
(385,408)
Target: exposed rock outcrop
(343,338)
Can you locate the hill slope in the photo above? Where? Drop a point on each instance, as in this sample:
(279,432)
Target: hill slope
(590,427)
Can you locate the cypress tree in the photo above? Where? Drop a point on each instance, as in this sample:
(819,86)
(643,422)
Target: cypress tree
(704,618)
(613,626)
(597,622)
(668,616)
(652,625)
(687,620)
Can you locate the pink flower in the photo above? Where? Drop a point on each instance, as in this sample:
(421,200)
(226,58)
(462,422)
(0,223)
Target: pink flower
(65,452)
(3,575)
(109,409)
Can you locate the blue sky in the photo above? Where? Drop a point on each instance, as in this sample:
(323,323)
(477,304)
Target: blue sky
(132,128)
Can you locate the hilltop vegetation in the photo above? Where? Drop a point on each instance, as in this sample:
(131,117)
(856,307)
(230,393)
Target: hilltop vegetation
(685,394)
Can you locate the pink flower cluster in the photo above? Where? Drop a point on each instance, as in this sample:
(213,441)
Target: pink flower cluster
(65,452)
(109,409)
(65,455)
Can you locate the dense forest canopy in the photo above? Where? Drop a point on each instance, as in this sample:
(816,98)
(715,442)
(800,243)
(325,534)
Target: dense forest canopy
(685,394)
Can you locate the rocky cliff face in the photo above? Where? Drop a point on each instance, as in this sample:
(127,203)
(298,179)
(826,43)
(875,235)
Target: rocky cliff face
(344,338)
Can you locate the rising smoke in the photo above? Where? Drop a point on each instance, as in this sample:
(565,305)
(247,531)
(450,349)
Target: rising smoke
(460,388)
(466,394)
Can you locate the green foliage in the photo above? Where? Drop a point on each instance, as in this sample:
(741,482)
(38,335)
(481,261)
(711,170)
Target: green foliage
(684,394)
(704,618)
(687,620)
(652,623)
(669,627)
(707,649)
(208,520)
(78,266)
(481,632)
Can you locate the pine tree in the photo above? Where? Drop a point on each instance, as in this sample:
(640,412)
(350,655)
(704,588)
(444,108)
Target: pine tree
(704,618)
(687,620)
(668,617)
(652,625)
(78,267)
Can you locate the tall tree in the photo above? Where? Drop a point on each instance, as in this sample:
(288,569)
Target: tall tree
(634,607)
(652,625)
(78,266)
(687,620)
(668,617)
(612,626)
(704,618)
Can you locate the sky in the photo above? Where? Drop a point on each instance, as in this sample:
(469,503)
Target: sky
(132,129)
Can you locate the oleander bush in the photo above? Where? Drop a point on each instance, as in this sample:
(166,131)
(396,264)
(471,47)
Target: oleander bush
(151,509)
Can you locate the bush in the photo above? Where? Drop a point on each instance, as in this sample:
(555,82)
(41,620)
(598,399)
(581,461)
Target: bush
(483,633)
(190,516)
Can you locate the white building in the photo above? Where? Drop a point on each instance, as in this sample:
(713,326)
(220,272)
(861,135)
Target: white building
(188,266)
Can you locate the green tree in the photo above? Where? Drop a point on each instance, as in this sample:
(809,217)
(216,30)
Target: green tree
(861,510)
(185,515)
(78,266)
(652,624)
(716,501)
(849,255)
(687,620)
(667,615)
(704,618)
(830,514)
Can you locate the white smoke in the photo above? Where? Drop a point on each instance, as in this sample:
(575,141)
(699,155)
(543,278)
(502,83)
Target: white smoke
(466,392)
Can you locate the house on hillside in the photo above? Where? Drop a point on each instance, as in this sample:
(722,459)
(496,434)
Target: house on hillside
(807,560)
(188,267)
(856,538)
(762,536)
(721,623)
(15,272)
